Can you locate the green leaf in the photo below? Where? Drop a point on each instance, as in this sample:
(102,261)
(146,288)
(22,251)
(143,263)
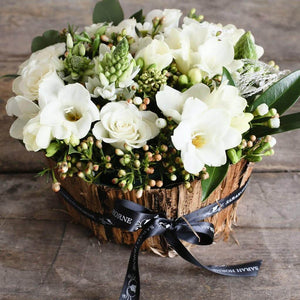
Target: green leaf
(108,11)
(48,38)
(282,94)
(72,150)
(52,149)
(138,16)
(226,76)
(9,76)
(216,175)
(287,123)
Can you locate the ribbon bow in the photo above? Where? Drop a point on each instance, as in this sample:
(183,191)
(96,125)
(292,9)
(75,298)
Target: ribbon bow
(131,216)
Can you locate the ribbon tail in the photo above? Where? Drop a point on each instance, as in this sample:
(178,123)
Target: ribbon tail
(246,269)
(131,286)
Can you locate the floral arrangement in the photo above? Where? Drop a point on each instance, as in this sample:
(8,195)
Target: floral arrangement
(151,100)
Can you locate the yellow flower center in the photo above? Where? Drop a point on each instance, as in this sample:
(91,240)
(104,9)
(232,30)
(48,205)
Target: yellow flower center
(198,141)
(71,114)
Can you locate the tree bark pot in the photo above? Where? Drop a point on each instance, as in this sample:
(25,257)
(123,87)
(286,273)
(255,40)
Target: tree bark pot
(173,202)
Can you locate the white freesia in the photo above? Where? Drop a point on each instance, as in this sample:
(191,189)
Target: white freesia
(24,109)
(128,25)
(41,63)
(155,52)
(208,52)
(71,114)
(203,136)
(170,17)
(170,101)
(225,97)
(122,122)
(36,136)
(144,28)
(92,29)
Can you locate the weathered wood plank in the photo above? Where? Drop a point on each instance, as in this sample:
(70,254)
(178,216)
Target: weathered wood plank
(83,269)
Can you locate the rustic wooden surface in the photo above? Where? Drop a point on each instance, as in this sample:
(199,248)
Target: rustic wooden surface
(43,255)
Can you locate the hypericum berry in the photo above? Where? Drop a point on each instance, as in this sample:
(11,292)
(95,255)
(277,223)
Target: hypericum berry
(56,186)
(159,183)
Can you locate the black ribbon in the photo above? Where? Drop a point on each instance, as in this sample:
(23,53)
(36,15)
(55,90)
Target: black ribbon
(191,228)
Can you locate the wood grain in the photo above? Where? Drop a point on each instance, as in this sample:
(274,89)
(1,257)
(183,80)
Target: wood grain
(44,256)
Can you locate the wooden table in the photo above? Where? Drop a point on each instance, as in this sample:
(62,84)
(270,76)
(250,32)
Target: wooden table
(43,255)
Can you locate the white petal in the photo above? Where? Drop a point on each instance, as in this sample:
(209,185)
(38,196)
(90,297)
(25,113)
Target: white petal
(43,137)
(169,100)
(193,108)
(99,131)
(199,90)
(16,129)
(48,89)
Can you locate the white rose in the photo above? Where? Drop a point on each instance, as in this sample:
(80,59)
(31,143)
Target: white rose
(155,52)
(171,17)
(121,122)
(40,64)
(71,113)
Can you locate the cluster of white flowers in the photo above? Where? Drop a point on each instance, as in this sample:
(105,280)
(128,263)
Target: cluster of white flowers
(210,120)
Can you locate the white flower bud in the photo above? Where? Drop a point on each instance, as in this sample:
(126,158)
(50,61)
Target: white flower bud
(137,100)
(139,193)
(161,123)
(195,75)
(262,109)
(274,123)
(69,41)
(272,142)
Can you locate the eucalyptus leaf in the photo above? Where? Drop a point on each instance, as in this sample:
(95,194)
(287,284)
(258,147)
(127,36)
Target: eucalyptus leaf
(227,77)
(282,94)
(138,16)
(216,175)
(49,37)
(287,123)
(108,11)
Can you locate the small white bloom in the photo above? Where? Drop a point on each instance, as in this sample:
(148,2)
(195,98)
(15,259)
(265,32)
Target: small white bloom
(122,123)
(161,123)
(102,88)
(155,52)
(274,123)
(272,141)
(72,113)
(24,109)
(137,100)
(92,29)
(128,25)
(146,27)
(262,109)
(170,17)
(41,63)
